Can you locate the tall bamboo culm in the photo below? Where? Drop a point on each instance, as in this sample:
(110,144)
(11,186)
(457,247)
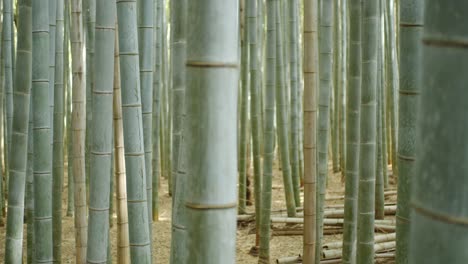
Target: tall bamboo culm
(78,131)
(353,96)
(310,67)
(29,202)
(139,236)
(19,154)
(157,84)
(145,10)
(123,254)
(52,33)
(42,161)
(212,81)
(101,131)
(58,144)
(293,50)
(368,133)
(7,54)
(281,118)
(255,108)
(411,31)
(326,20)
(268,132)
(244,139)
(439,184)
(178,176)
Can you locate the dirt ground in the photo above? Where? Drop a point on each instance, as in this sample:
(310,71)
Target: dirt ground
(281,246)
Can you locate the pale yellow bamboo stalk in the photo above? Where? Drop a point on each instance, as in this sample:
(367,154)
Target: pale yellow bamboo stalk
(78,132)
(310,127)
(123,244)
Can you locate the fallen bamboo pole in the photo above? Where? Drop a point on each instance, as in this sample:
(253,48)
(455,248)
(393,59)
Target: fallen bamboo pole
(326,221)
(336,253)
(377,239)
(288,260)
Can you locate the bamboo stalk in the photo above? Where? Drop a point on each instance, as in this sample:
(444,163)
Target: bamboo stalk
(123,252)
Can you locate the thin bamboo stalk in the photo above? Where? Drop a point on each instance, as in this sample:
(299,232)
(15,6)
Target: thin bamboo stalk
(179,173)
(19,154)
(145,16)
(282,121)
(326,20)
(78,131)
(58,143)
(29,202)
(310,64)
(123,252)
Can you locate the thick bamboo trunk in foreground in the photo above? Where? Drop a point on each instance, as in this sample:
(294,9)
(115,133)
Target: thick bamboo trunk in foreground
(212,80)
(439,184)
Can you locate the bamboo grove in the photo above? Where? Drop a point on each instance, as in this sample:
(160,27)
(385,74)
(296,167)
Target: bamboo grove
(236,131)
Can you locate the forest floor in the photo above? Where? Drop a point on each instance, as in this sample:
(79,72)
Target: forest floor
(281,246)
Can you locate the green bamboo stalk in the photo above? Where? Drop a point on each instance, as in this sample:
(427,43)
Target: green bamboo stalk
(268,131)
(19,154)
(157,85)
(282,121)
(310,67)
(438,185)
(353,95)
(392,81)
(244,105)
(68,103)
(140,250)
(101,131)
(7,66)
(343,84)
(411,30)
(293,49)
(123,252)
(326,21)
(211,102)
(42,167)
(145,12)
(78,131)
(178,177)
(52,33)
(379,177)
(29,202)
(58,108)
(7,54)
(255,110)
(90,16)
(368,126)
(337,47)
(3,134)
